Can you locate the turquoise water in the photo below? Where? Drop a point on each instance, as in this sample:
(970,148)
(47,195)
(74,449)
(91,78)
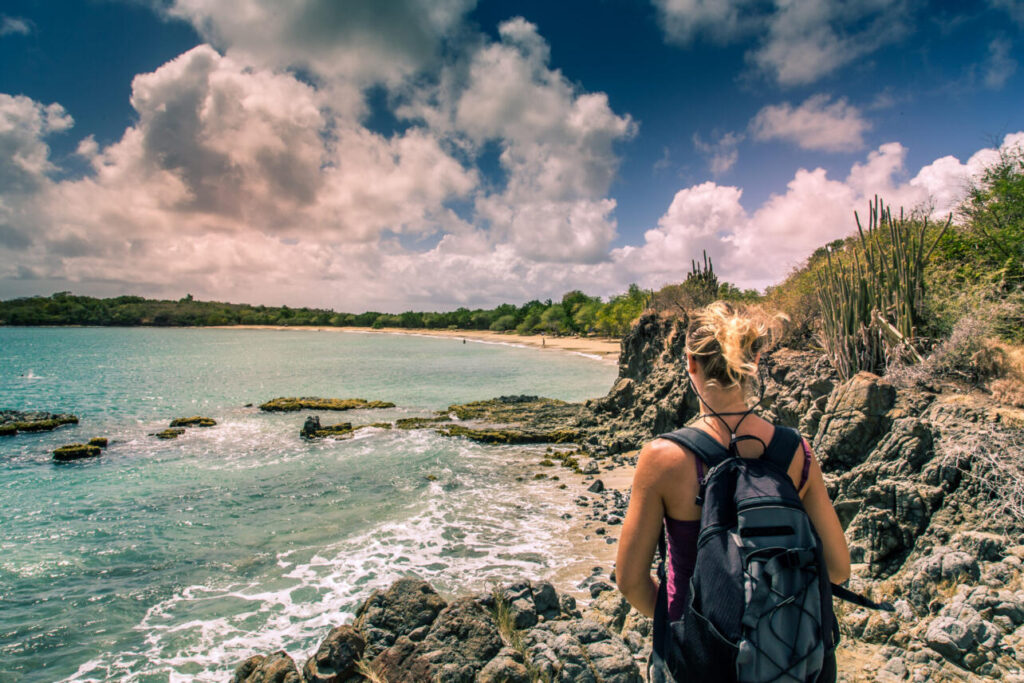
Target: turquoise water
(174,560)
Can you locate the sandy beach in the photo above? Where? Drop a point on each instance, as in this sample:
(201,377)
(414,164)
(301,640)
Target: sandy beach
(600,348)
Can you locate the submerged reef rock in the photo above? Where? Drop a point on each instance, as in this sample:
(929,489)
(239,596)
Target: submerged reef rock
(513,420)
(519,632)
(100,441)
(194,421)
(510,435)
(172,433)
(419,422)
(14,421)
(289,405)
(312,429)
(76,451)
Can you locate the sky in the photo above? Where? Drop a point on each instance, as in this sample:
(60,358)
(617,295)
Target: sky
(399,154)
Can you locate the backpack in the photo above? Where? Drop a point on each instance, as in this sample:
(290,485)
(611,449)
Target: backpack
(759,607)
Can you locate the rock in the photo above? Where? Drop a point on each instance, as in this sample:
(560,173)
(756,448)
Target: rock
(100,441)
(316,403)
(567,605)
(598,587)
(194,421)
(545,600)
(337,657)
(609,608)
(312,429)
(596,487)
(506,667)
(14,421)
(462,639)
(418,422)
(274,668)
(521,605)
(510,435)
(854,420)
(75,451)
(949,637)
(405,606)
(169,433)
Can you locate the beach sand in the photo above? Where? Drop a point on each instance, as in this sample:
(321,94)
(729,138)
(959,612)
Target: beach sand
(599,348)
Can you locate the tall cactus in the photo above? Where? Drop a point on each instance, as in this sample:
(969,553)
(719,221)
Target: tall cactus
(871,311)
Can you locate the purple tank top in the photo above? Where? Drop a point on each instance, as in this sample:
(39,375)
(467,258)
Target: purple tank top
(682,545)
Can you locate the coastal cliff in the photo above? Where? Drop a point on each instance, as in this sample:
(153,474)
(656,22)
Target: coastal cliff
(927,484)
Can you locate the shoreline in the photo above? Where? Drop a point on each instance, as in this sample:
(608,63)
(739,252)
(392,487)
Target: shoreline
(596,348)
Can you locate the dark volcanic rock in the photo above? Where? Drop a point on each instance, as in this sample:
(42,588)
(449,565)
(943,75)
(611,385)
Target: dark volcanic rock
(100,441)
(337,657)
(312,429)
(651,395)
(461,641)
(856,418)
(405,606)
(172,433)
(274,668)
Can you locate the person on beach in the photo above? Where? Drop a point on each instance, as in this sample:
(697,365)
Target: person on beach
(723,347)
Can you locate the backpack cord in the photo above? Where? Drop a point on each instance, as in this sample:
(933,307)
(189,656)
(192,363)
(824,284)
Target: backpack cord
(733,438)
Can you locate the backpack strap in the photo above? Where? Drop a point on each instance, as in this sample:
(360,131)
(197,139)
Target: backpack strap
(783,444)
(700,443)
(857,599)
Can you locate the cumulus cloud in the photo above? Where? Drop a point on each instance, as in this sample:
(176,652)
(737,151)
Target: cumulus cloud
(757,248)
(361,40)
(818,123)
(722,154)
(720,20)
(24,156)
(557,146)
(796,41)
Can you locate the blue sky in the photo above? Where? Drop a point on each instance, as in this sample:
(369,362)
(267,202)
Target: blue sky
(397,154)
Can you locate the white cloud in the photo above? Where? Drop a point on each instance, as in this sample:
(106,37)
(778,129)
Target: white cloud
(14,26)
(797,41)
(757,248)
(24,157)
(818,124)
(1000,66)
(720,20)
(557,146)
(363,41)
(722,154)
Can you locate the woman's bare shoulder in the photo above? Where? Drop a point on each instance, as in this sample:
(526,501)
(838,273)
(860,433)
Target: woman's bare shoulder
(663,455)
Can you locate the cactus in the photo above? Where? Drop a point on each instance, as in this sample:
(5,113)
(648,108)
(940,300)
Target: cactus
(871,308)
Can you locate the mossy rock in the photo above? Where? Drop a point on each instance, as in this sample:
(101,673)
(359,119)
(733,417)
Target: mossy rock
(289,405)
(75,451)
(8,430)
(194,421)
(540,475)
(172,433)
(340,429)
(418,422)
(431,477)
(45,425)
(378,425)
(100,441)
(510,436)
(547,462)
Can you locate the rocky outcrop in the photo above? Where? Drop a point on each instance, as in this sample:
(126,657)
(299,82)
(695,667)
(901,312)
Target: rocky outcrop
(14,421)
(194,421)
(650,395)
(337,658)
(76,451)
(276,667)
(167,434)
(524,631)
(312,429)
(292,404)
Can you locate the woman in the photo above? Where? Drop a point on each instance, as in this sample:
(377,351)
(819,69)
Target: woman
(723,345)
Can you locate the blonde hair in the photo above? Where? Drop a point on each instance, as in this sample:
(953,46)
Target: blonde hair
(725,338)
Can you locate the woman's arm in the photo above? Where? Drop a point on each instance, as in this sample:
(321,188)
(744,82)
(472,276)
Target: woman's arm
(826,523)
(640,529)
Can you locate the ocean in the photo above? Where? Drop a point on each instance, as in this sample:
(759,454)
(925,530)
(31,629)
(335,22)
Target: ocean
(175,560)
